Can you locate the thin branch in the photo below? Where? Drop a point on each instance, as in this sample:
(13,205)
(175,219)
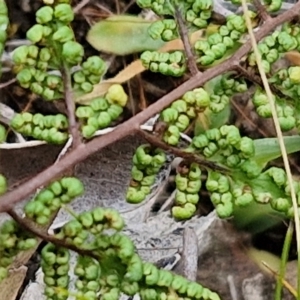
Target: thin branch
(80,5)
(157,142)
(70,103)
(31,227)
(251,77)
(8,200)
(7,83)
(243,114)
(261,9)
(257,80)
(184,35)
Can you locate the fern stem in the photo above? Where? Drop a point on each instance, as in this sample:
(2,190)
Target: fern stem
(284,258)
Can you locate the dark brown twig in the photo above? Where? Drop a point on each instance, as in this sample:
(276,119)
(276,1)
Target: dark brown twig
(31,227)
(70,103)
(256,79)
(184,35)
(157,142)
(251,77)
(8,200)
(261,9)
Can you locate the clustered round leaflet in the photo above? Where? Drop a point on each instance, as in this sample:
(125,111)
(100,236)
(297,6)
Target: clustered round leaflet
(118,269)
(13,240)
(102,111)
(147,162)
(54,47)
(188,184)
(51,128)
(4,22)
(99,114)
(3,184)
(49,200)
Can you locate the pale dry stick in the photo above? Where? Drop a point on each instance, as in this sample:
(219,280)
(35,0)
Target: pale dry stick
(6,113)
(7,83)
(21,145)
(189,255)
(80,5)
(232,288)
(8,200)
(65,149)
(17,43)
(168,202)
(277,128)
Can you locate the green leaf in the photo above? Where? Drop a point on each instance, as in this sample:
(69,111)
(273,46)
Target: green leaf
(209,120)
(122,35)
(256,218)
(267,149)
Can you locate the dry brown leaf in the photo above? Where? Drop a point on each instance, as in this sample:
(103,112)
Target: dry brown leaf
(293,57)
(132,70)
(10,286)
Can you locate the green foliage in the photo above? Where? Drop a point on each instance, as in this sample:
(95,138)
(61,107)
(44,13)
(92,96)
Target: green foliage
(102,111)
(217,44)
(54,128)
(4,22)
(115,266)
(275,44)
(247,185)
(196,13)
(2,134)
(147,162)
(224,145)
(123,35)
(172,64)
(118,269)
(13,240)
(53,47)
(49,200)
(188,184)
(3,184)
(286,112)
(181,114)
(51,128)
